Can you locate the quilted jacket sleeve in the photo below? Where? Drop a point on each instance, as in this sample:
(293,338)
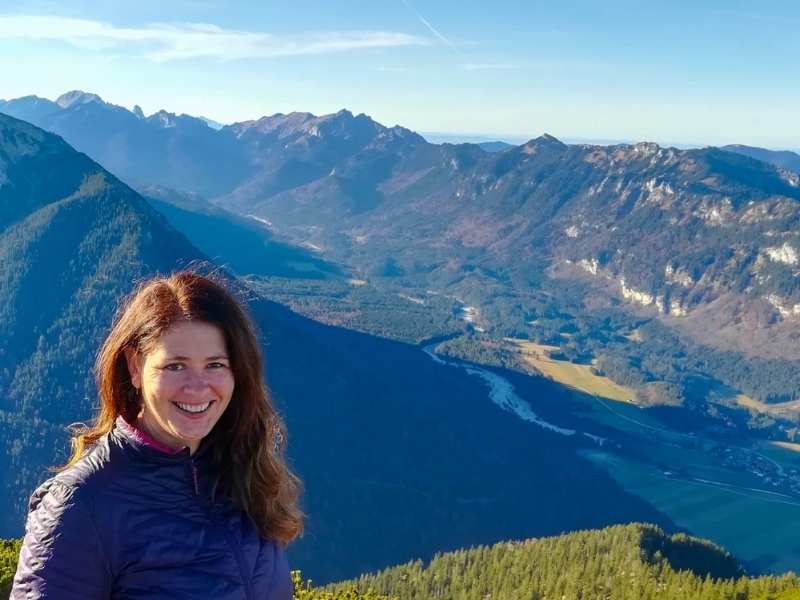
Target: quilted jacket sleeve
(61,556)
(281,584)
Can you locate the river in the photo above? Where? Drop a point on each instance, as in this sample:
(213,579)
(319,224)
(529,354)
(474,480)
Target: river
(502,393)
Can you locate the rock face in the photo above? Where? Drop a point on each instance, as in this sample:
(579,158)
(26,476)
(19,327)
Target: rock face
(77,97)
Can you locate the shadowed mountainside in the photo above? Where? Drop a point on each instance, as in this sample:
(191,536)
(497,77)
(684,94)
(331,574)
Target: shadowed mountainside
(781,158)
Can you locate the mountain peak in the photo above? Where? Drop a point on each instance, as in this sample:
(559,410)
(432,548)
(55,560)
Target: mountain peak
(543,141)
(77,97)
(647,148)
(137,110)
(342,118)
(163,118)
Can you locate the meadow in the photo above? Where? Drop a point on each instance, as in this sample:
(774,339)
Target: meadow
(580,377)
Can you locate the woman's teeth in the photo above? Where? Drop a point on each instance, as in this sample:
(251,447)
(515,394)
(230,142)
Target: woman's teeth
(193,408)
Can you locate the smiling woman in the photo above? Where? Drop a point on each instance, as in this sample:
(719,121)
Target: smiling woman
(179,489)
(185,383)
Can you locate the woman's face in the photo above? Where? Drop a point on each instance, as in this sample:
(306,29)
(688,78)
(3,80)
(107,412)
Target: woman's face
(185,382)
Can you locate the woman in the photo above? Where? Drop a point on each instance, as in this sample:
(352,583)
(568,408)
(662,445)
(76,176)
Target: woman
(179,489)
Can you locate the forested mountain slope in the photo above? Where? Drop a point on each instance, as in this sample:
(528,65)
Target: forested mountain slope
(73,239)
(632,562)
(668,229)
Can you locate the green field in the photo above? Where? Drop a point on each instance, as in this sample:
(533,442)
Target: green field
(761,530)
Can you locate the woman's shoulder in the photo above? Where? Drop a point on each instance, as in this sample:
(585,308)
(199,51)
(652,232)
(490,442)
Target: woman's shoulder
(80,479)
(62,536)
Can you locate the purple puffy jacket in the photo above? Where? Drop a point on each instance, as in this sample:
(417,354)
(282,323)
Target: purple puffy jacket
(132,521)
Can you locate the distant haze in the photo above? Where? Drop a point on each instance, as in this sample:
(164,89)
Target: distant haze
(439,137)
(677,73)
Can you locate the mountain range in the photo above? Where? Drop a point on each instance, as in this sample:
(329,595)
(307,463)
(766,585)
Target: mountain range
(695,236)
(703,242)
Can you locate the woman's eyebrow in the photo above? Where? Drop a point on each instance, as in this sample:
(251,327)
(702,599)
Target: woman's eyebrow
(214,357)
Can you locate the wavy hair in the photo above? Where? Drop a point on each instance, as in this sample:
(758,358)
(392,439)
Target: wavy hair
(247,442)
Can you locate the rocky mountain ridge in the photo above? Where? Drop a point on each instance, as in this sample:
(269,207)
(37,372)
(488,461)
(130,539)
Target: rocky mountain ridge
(667,231)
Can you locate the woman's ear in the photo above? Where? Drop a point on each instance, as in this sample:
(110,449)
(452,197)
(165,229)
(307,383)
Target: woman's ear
(134,360)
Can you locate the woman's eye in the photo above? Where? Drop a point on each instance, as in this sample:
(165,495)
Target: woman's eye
(173,367)
(217,365)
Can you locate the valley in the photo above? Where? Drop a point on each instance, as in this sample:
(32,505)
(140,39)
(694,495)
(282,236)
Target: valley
(705,479)
(704,474)
(704,484)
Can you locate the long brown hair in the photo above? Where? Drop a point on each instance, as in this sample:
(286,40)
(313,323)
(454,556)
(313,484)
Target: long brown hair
(247,443)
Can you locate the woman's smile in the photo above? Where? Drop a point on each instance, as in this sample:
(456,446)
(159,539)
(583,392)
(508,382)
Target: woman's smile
(193,409)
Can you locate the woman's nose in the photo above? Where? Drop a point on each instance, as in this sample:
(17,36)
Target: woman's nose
(195,383)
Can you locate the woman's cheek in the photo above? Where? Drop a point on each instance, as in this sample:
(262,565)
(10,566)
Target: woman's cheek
(166,381)
(223,382)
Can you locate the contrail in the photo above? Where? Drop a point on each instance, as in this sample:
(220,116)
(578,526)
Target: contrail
(433,30)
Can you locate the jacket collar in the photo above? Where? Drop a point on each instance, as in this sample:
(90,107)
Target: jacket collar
(141,438)
(137,443)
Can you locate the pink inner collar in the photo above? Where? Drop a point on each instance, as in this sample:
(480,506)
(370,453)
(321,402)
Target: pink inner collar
(145,438)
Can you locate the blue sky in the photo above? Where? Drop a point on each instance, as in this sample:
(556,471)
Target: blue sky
(702,72)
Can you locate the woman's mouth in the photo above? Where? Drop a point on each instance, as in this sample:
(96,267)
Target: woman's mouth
(193,409)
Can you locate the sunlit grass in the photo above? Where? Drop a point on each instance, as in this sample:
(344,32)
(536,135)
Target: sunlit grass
(580,377)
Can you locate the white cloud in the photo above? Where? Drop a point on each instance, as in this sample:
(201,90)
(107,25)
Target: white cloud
(384,69)
(490,66)
(164,42)
(543,65)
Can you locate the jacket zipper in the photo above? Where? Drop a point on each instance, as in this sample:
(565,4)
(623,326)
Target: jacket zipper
(237,551)
(194,478)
